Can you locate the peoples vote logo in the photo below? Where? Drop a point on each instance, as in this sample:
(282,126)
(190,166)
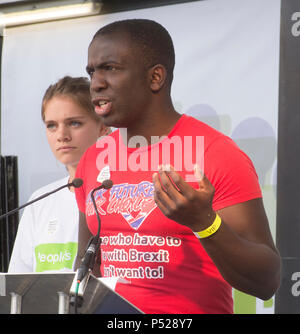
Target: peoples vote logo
(134,202)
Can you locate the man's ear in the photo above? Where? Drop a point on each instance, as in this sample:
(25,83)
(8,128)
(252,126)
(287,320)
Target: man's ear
(157,75)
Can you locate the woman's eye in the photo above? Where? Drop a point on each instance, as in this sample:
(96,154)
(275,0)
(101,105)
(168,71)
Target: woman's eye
(50,126)
(75,123)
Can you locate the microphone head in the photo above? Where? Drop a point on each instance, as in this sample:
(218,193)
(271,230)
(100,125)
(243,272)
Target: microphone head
(107,184)
(76,183)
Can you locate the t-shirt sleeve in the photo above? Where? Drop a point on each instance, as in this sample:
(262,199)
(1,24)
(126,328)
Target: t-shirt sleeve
(231,172)
(80,192)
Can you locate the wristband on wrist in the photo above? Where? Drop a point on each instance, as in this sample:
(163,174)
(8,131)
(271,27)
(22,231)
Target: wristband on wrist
(213,228)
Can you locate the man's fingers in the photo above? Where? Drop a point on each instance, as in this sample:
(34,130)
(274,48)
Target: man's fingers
(204,183)
(176,198)
(161,197)
(173,183)
(199,174)
(172,189)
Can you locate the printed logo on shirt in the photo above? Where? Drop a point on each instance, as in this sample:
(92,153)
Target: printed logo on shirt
(104,174)
(55,256)
(134,202)
(53,226)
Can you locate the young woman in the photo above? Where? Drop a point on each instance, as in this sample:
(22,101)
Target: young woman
(48,230)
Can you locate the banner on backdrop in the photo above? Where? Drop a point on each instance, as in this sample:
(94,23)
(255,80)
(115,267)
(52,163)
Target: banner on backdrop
(288,184)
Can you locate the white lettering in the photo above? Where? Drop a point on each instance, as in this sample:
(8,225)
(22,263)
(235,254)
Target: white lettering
(127,324)
(296,286)
(296,26)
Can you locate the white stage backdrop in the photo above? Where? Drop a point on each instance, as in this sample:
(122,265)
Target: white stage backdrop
(226,73)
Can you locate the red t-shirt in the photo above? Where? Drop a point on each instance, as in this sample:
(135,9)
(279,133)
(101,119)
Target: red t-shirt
(164,266)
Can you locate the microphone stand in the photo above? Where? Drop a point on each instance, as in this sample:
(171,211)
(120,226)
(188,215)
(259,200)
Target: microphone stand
(75,183)
(83,272)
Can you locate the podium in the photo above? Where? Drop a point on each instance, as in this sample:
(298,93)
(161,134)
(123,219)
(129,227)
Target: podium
(49,293)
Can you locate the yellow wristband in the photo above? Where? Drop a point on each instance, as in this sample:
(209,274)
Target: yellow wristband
(213,228)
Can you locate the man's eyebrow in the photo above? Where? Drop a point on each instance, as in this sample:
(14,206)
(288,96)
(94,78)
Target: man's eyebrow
(101,65)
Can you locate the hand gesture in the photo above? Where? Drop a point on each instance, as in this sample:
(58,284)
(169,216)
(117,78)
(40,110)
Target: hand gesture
(181,202)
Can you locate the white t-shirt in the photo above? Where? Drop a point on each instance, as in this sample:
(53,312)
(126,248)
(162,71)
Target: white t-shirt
(47,236)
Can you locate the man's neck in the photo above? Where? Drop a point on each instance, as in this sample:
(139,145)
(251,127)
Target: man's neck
(156,127)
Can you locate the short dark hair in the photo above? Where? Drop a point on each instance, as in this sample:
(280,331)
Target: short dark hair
(152,39)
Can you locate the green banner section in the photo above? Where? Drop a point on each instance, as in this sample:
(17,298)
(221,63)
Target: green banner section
(55,256)
(246,304)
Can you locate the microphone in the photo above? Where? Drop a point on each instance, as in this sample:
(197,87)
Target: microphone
(106,184)
(76,183)
(94,243)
